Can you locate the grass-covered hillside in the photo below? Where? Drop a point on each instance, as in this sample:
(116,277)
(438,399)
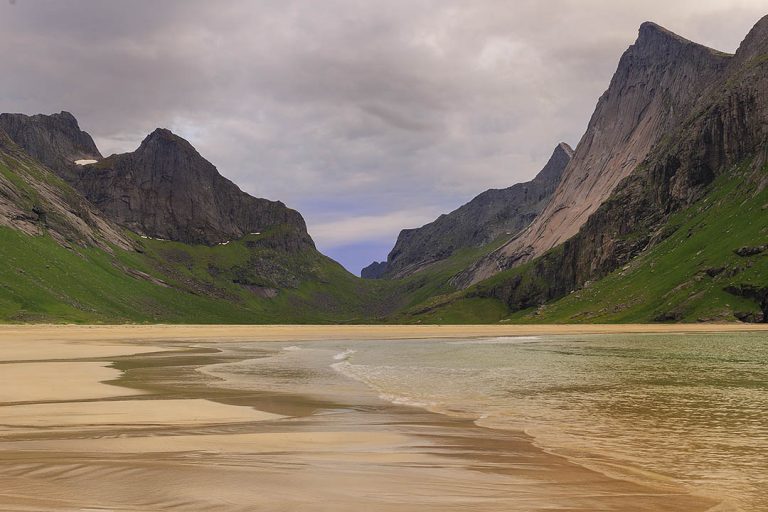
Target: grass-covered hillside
(43,281)
(62,261)
(712,265)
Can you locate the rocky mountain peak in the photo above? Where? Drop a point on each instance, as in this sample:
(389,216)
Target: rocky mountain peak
(651,33)
(659,79)
(565,148)
(164,142)
(66,117)
(756,43)
(166,189)
(164,137)
(656,48)
(554,167)
(54,140)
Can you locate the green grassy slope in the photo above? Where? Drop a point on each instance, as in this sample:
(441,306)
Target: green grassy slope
(242,282)
(683,278)
(693,274)
(420,292)
(71,271)
(42,281)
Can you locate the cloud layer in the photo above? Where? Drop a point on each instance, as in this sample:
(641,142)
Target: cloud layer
(367,117)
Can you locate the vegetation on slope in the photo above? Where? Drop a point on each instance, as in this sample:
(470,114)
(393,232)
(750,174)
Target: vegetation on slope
(43,281)
(63,262)
(712,265)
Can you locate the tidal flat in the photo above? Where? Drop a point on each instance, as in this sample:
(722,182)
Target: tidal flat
(383,418)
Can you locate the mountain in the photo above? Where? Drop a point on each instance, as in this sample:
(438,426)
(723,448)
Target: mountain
(55,141)
(682,236)
(35,201)
(660,215)
(166,190)
(493,214)
(658,81)
(376,270)
(171,240)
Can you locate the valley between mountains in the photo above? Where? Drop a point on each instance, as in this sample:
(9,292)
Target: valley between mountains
(658,214)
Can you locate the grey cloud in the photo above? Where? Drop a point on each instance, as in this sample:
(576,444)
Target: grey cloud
(342,109)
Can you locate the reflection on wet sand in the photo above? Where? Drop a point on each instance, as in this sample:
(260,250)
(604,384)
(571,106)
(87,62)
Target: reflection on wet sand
(189,438)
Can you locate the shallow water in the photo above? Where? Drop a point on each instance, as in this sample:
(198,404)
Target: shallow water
(690,408)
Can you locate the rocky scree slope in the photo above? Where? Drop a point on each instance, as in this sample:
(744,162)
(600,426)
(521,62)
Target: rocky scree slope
(492,214)
(35,201)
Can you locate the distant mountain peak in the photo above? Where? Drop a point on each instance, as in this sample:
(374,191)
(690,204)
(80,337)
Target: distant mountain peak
(650,31)
(554,167)
(163,133)
(755,44)
(566,148)
(55,140)
(663,44)
(658,80)
(166,139)
(491,214)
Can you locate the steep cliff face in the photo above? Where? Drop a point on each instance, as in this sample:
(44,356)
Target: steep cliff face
(658,81)
(724,135)
(34,201)
(494,213)
(55,140)
(165,189)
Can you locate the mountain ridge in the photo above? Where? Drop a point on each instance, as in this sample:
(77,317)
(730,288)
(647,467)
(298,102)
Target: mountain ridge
(54,140)
(657,80)
(666,193)
(722,139)
(36,201)
(489,215)
(166,189)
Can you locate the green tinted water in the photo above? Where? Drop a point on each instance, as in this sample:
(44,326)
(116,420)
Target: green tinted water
(692,409)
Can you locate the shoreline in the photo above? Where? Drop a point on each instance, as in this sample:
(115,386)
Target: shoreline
(187,332)
(391,457)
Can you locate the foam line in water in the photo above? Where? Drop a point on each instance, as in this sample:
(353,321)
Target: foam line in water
(343,356)
(501,340)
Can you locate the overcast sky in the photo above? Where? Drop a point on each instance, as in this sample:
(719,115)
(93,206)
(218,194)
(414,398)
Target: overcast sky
(366,116)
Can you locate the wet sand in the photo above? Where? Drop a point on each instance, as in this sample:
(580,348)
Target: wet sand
(67,339)
(160,435)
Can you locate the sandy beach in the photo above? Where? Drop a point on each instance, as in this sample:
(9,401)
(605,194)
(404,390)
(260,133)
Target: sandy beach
(69,340)
(122,418)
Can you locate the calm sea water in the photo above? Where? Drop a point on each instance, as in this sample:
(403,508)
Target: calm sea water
(689,408)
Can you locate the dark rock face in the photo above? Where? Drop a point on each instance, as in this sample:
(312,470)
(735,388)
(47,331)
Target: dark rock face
(375,270)
(757,293)
(35,201)
(726,126)
(659,80)
(747,251)
(55,140)
(490,215)
(165,189)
